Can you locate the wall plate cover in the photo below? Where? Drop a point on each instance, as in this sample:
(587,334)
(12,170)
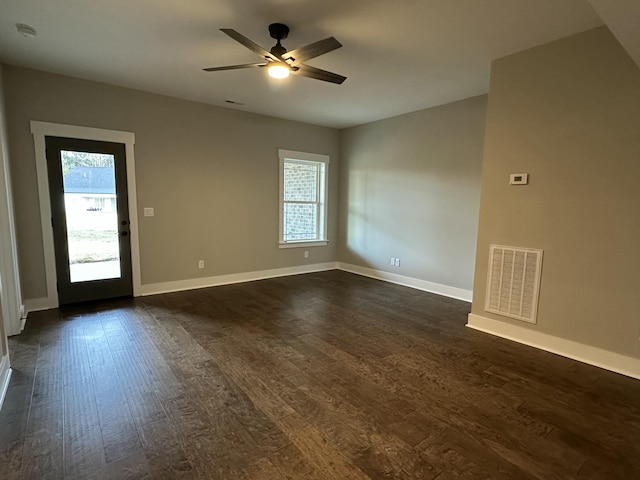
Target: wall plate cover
(518,179)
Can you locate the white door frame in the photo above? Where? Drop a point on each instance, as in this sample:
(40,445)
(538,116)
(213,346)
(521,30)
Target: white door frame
(42,129)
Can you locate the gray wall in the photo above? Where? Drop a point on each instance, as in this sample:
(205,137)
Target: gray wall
(210,173)
(410,188)
(568,113)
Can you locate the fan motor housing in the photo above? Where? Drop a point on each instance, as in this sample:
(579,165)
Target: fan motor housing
(278,50)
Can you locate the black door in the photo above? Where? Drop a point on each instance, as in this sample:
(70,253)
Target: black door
(90,218)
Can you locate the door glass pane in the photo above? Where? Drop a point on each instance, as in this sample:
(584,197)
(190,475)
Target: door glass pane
(92,219)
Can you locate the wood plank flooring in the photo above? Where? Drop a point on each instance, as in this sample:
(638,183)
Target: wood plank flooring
(318,376)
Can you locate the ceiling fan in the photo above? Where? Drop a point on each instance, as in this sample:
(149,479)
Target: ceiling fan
(281,63)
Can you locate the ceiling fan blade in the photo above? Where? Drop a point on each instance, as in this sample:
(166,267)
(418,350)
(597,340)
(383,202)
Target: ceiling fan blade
(235,67)
(254,47)
(312,50)
(318,74)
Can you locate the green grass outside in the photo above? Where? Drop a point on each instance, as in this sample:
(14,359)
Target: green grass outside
(90,246)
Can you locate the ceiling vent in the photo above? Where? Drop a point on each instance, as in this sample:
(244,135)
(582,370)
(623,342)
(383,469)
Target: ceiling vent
(513,282)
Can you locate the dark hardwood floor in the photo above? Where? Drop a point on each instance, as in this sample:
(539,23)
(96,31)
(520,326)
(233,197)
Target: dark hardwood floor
(318,376)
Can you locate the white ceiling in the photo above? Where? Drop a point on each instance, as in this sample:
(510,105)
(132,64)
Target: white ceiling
(399,56)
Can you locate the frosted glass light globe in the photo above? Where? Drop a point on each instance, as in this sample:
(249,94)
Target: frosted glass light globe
(278,70)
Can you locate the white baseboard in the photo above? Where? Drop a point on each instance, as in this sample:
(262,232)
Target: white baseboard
(5,376)
(37,304)
(598,357)
(180,285)
(44,303)
(416,283)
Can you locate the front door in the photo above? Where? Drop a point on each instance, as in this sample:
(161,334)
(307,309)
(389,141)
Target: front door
(90,219)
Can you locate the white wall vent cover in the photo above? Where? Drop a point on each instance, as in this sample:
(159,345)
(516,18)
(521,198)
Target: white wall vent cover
(513,282)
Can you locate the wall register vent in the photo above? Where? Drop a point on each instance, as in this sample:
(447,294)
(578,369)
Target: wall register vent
(513,282)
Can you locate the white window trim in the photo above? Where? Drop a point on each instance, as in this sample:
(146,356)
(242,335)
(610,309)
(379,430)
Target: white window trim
(304,157)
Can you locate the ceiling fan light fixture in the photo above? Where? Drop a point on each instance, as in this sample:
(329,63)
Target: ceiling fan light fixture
(278,70)
(280,62)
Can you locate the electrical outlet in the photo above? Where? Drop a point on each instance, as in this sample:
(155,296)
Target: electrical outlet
(393,261)
(200,264)
(306,254)
(397,262)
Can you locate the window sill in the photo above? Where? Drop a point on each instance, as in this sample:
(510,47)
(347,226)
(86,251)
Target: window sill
(304,243)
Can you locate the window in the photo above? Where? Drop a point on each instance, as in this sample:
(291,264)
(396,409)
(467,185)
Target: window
(303,212)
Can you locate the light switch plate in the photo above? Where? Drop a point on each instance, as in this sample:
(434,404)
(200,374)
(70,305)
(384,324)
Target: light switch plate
(519,179)
(148,212)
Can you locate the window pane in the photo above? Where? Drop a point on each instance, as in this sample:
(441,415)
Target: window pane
(91,214)
(300,221)
(300,182)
